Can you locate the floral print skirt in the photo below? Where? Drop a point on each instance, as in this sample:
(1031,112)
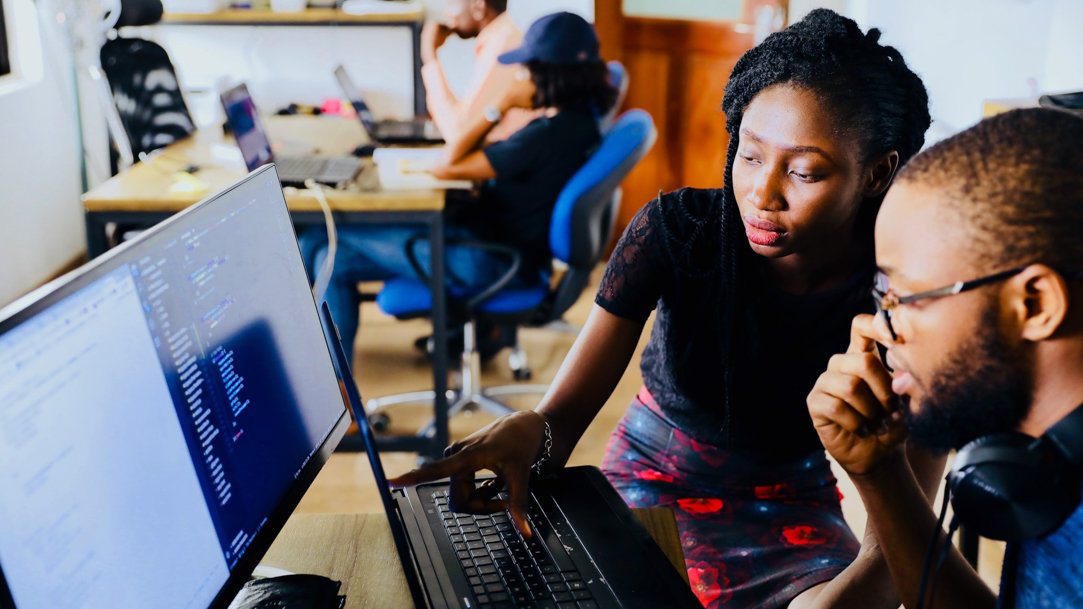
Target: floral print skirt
(753,535)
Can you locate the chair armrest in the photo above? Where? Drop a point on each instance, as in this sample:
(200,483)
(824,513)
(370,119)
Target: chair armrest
(513,256)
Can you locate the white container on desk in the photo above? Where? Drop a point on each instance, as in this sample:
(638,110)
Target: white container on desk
(193,6)
(288,6)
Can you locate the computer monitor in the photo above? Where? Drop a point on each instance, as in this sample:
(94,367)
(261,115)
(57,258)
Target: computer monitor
(162,410)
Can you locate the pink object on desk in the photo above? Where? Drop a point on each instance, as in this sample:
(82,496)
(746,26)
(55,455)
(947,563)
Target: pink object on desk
(333,105)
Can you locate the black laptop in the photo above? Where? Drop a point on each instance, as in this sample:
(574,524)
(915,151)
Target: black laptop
(415,131)
(162,411)
(588,550)
(243,120)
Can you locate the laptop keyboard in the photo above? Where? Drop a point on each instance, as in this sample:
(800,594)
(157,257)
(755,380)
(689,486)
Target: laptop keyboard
(397,129)
(506,571)
(322,169)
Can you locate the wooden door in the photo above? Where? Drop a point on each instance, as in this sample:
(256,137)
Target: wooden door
(677,72)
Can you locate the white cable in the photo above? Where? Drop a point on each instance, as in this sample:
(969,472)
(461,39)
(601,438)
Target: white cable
(323,277)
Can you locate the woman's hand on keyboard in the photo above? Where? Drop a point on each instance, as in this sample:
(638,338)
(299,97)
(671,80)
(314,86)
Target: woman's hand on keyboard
(508,447)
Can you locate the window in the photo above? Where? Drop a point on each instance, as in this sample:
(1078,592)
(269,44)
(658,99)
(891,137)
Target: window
(5,57)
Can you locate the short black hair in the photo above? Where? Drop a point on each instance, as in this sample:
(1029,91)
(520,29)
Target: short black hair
(1016,179)
(577,86)
(497,5)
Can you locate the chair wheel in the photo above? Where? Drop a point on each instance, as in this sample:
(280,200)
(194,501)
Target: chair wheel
(522,374)
(379,421)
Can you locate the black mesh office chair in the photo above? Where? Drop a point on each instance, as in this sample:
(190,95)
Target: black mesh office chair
(144,84)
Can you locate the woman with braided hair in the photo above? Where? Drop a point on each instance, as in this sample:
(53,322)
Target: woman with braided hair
(754,286)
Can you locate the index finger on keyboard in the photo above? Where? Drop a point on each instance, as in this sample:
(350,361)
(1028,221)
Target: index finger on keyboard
(518,496)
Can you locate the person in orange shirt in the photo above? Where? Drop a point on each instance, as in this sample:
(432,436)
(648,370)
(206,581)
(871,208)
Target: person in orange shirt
(488,22)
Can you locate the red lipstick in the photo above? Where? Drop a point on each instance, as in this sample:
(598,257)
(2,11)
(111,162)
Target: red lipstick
(762,232)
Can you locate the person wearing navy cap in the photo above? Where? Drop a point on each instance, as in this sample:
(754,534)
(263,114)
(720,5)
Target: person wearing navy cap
(564,81)
(560,38)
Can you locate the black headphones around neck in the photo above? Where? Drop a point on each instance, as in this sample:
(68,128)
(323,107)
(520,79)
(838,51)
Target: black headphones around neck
(1011,486)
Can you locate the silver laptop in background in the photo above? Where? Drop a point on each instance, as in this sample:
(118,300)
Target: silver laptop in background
(416,131)
(244,122)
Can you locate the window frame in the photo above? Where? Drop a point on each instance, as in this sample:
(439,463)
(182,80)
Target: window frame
(5,49)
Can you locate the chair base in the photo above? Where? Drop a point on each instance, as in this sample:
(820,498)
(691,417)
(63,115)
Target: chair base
(470,396)
(457,402)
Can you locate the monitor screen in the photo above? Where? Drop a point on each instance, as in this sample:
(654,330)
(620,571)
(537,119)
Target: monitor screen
(243,119)
(162,410)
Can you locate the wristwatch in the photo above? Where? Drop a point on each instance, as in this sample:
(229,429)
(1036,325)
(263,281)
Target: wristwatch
(493,114)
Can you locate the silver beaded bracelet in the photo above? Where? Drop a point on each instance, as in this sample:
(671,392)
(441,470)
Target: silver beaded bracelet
(545,452)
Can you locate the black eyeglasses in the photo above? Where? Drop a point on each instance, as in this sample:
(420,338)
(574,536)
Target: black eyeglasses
(886,300)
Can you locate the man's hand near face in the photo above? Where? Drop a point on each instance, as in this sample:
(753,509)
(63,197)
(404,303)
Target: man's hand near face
(861,424)
(433,36)
(852,406)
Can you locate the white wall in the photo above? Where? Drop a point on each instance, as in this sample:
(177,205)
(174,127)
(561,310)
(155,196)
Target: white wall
(41,221)
(1064,55)
(969,51)
(284,64)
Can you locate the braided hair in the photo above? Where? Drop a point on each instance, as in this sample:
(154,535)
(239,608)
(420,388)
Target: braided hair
(865,84)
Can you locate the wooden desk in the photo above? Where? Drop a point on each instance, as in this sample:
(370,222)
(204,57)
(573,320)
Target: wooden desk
(147,193)
(357,549)
(152,187)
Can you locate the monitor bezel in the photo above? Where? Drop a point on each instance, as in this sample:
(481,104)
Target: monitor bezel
(42,298)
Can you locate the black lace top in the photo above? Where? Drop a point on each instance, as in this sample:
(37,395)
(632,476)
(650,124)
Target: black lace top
(669,258)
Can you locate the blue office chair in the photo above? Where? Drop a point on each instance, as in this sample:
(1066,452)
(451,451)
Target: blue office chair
(583,219)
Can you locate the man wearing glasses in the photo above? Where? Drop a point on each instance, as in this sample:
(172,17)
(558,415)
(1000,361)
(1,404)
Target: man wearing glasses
(980,310)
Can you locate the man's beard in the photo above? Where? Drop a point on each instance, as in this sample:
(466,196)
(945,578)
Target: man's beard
(982,389)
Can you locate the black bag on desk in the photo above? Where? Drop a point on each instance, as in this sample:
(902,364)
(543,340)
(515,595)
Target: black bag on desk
(1070,102)
(290,592)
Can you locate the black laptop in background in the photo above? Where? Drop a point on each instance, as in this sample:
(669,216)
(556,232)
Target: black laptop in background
(415,131)
(588,550)
(244,122)
(162,411)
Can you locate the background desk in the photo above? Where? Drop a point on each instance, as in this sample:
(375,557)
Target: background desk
(146,193)
(357,549)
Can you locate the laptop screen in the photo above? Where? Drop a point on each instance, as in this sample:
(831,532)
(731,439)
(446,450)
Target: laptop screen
(243,120)
(162,410)
(352,93)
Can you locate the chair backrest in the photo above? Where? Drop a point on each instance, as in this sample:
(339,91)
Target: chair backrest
(144,83)
(586,209)
(139,12)
(618,79)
